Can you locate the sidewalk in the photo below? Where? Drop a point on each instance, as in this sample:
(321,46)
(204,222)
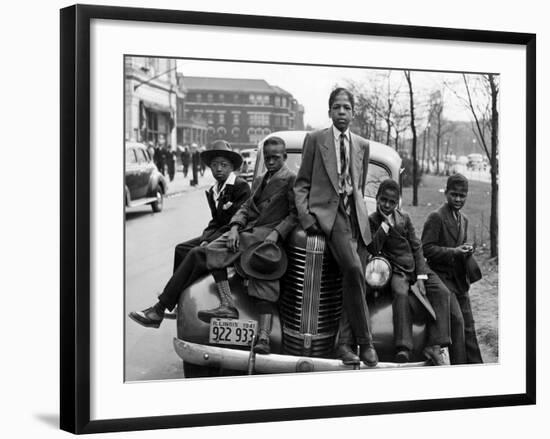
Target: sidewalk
(181,184)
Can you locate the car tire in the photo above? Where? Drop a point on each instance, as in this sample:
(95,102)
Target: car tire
(159,203)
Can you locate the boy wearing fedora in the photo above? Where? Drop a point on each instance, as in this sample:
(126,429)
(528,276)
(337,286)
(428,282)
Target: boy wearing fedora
(253,242)
(224,198)
(394,238)
(444,241)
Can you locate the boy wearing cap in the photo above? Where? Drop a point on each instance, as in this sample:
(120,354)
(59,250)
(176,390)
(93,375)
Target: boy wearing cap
(264,220)
(224,198)
(444,243)
(393,237)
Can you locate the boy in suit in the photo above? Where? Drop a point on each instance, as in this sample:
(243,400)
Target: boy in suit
(393,237)
(329,199)
(224,198)
(444,243)
(264,220)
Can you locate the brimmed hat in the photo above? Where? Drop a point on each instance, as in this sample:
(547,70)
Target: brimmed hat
(221,148)
(264,260)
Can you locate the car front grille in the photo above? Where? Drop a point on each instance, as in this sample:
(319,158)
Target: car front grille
(311,300)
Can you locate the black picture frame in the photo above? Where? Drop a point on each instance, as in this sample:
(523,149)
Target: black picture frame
(75,217)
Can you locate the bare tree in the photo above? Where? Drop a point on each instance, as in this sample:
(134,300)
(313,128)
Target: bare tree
(486,88)
(413,129)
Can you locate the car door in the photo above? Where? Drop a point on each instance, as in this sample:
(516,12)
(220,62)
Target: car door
(132,173)
(145,171)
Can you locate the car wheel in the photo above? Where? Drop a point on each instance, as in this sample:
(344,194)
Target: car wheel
(158,204)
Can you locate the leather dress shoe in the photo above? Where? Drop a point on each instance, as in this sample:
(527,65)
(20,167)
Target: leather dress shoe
(368,354)
(433,353)
(221,312)
(346,354)
(403,356)
(148,317)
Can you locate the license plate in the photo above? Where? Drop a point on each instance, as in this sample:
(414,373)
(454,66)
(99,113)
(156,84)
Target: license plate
(230,331)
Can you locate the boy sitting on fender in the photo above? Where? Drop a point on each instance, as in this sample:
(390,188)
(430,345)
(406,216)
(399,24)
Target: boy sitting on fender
(393,237)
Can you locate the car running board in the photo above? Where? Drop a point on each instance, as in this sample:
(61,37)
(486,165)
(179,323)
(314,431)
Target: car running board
(214,356)
(142,201)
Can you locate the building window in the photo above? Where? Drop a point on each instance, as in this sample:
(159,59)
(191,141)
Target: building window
(210,97)
(261,119)
(251,99)
(266,100)
(283,102)
(277,101)
(198,97)
(152,125)
(222,131)
(236,119)
(210,117)
(236,98)
(221,118)
(235,132)
(266,131)
(221,97)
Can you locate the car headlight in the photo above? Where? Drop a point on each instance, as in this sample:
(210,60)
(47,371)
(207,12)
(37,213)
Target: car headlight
(378,272)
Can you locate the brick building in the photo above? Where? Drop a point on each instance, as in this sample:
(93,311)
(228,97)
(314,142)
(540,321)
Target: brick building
(151,95)
(241,111)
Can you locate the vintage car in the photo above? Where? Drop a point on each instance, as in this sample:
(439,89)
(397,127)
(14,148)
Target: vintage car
(143,183)
(249,163)
(305,329)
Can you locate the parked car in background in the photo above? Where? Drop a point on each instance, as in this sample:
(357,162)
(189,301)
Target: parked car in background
(143,183)
(475,162)
(249,162)
(305,328)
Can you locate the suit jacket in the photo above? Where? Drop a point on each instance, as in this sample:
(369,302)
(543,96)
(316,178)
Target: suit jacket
(400,245)
(440,236)
(229,201)
(267,209)
(316,188)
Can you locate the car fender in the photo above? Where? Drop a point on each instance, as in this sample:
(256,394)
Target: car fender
(202,295)
(157,180)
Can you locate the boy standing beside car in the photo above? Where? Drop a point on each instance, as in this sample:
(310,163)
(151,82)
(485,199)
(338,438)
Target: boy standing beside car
(393,237)
(444,243)
(329,200)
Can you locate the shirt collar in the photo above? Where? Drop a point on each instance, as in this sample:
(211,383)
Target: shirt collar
(230,180)
(336,133)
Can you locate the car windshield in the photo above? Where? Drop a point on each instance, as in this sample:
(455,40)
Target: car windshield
(375,175)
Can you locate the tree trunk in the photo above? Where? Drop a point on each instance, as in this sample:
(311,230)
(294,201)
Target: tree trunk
(494,168)
(413,128)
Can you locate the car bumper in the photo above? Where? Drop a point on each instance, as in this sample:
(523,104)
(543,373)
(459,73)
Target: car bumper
(214,356)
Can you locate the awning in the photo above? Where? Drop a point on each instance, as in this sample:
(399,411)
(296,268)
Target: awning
(154,106)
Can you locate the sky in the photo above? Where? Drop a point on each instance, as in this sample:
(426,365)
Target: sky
(311,85)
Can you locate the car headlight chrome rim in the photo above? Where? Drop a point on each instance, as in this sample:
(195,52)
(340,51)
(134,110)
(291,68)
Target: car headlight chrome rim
(378,272)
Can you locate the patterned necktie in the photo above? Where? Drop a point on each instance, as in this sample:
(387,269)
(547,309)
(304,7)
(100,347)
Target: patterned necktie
(344,173)
(343,164)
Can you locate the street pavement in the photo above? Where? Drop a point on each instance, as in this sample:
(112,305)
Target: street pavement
(149,252)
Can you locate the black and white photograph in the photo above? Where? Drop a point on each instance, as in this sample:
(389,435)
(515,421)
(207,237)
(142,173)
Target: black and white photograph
(284,218)
(269,219)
